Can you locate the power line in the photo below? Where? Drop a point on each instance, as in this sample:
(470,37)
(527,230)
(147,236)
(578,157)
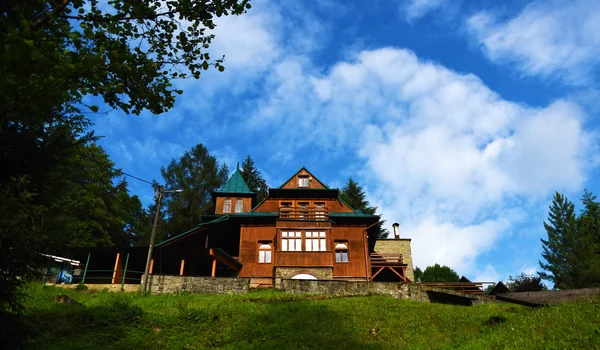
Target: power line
(137,178)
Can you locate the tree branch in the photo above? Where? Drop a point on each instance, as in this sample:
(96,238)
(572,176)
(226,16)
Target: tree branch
(59,8)
(119,18)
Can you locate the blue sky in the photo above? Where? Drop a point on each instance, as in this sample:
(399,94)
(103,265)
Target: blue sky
(460,119)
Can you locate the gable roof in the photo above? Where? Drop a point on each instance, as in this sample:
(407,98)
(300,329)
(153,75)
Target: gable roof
(299,171)
(235,184)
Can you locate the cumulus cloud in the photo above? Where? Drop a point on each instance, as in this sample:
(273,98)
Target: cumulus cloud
(557,39)
(442,153)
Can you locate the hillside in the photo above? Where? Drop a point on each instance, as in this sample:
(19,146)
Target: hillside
(270,319)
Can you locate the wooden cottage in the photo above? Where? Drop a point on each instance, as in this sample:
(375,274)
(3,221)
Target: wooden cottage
(303,230)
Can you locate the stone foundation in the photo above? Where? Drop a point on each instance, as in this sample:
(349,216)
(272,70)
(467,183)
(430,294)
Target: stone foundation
(159,284)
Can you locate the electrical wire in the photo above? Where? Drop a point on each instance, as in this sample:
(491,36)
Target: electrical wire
(137,178)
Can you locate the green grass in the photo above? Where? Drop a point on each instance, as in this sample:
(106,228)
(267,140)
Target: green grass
(274,320)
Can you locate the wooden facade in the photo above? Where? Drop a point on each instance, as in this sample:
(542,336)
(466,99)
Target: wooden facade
(302,230)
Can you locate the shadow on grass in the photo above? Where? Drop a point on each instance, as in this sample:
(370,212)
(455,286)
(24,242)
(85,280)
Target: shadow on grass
(299,325)
(75,326)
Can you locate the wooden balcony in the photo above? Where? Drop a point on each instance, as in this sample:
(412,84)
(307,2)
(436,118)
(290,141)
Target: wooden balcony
(304,258)
(302,213)
(386,259)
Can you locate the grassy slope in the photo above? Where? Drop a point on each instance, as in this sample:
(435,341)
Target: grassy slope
(271,319)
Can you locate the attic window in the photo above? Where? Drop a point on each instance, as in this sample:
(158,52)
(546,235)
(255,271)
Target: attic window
(239,205)
(303,181)
(227,205)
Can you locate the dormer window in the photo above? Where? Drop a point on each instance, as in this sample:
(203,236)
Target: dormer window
(303,181)
(227,205)
(239,205)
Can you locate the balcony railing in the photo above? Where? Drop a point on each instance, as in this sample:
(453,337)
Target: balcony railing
(304,213)
(386,259)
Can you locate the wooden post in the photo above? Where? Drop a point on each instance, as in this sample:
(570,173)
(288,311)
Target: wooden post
(151,266)
(182,266)
(214,268)
(114,276)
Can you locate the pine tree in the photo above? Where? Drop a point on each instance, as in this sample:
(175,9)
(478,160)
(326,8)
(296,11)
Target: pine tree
(558,248)
(254,179)
(586,253)
(198,174)
(353,194)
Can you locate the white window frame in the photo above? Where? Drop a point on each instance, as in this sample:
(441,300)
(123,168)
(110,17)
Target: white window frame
(303,181)
(227,205)
(291,241)
(341,248)
(265,253)
(239,205)
(315,241)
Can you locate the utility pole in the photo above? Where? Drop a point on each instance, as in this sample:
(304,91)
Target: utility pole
(154,224)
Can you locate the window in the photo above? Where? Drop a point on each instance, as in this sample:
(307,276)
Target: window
(227,205)
(291,241)
(320,210)
(303,181)
(264,253)
(239,205)
(315,241)
(341,252)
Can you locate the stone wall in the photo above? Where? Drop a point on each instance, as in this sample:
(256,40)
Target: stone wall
(412,291)
(396,290)
(394,246)
(216,285)
(101,287)
(321,273)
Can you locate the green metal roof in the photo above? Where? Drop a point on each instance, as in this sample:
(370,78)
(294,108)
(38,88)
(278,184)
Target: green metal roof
(235,184)
(222,218)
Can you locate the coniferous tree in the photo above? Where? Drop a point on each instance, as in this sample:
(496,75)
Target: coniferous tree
(558,248)
(353,194)
(198,174)
(586,252)
(254,179)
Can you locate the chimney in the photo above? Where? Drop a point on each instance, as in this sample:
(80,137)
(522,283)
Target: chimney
(396,231)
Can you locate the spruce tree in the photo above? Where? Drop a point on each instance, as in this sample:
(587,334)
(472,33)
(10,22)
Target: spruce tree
(254,179)
(353,194)
(586,253)
(561,227)
(198,174)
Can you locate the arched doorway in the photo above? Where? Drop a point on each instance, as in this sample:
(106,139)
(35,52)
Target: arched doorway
(304,276)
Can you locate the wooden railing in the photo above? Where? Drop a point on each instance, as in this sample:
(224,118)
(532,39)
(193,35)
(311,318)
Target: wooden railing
(465,287)
(386,259)
(310,213)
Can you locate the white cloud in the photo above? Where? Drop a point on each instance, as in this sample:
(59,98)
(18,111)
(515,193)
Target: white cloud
(548,39)
(442,153)
(415,9)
